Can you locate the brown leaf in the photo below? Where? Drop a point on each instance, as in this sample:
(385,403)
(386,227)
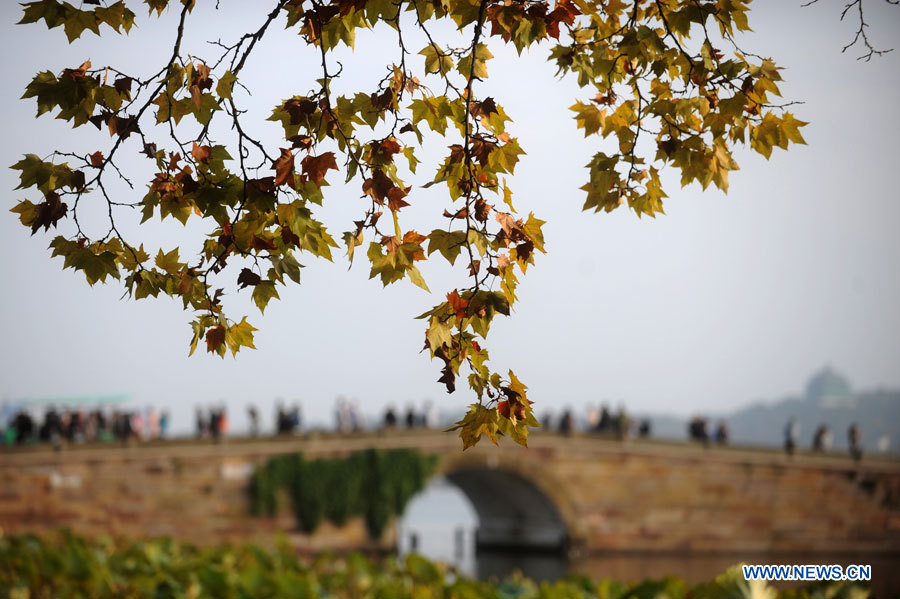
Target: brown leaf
(458,304)
(448,378)
(79,72)
(284,169)
(48,212)
(461,213)
(98,120)
(378,186)
(506,222)
(503,408)
(485,108)
(299,109)
(77,180)
(413,237)
(201,153)
(389,147)
(395,198)
(262,244)
(185,284)
(263,184)
(304,142)
(383,101)
(524,250)
(390,243)
(123,85)
(315,167)
(248,278)
(482,209)
(667,145)
(96,159)
(122,126)
(188,184)
(215,338)
(289,237)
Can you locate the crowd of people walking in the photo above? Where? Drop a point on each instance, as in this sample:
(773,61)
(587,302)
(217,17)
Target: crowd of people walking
(78,425)
(822,439)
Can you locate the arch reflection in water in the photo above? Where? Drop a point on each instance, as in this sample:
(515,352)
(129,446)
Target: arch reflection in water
(486,522)
(440,523)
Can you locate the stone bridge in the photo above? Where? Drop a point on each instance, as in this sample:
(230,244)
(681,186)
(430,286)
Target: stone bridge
(582,493)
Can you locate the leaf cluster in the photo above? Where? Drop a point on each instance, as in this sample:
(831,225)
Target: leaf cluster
(665,85)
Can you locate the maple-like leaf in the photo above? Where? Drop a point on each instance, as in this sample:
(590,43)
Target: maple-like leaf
(284,168)
(201,153)
(315,167)
(215,339)
(248,278)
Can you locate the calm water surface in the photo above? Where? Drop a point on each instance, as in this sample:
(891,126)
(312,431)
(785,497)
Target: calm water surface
(441,524)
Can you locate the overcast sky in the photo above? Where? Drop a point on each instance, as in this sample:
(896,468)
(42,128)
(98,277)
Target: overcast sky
(723,300)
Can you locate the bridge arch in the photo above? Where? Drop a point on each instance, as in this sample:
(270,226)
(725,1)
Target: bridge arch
(518,507)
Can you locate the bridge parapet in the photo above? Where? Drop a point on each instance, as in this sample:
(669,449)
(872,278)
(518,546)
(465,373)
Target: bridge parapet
(603,495)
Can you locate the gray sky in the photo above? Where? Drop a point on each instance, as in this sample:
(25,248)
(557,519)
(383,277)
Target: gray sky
(723,300)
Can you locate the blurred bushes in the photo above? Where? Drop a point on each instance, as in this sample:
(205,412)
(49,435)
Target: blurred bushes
(69,567)
(374,484)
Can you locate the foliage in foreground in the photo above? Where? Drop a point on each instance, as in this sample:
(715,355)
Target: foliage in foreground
(665,85)
(73,567)
(373,484)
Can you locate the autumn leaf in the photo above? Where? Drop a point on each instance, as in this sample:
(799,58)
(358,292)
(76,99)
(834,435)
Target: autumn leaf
(284,168)
(96,159)
(215,339)
(201,153)
(458,304)
(48,212)
(248,278)
(315,167)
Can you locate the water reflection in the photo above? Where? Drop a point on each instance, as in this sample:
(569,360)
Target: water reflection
(442,524)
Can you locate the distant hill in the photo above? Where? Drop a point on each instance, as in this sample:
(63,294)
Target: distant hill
(829,399)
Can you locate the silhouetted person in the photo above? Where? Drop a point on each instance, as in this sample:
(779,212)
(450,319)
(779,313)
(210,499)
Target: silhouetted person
(24,427)
(623,424)
(790,436)
(390,418)
(253,415)
(164,424)
(52,429)
(818,444)
(853,439)
(127,428)
(644,428)
(215,424)
(605,423)
(698,431)
(722,433)
(200,421)
(411,419)
(102,426)
(566,423)
(295,420)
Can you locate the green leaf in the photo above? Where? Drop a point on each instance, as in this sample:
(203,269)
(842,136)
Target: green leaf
(262,293)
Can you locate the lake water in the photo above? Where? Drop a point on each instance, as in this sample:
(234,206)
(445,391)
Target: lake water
(441,524)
